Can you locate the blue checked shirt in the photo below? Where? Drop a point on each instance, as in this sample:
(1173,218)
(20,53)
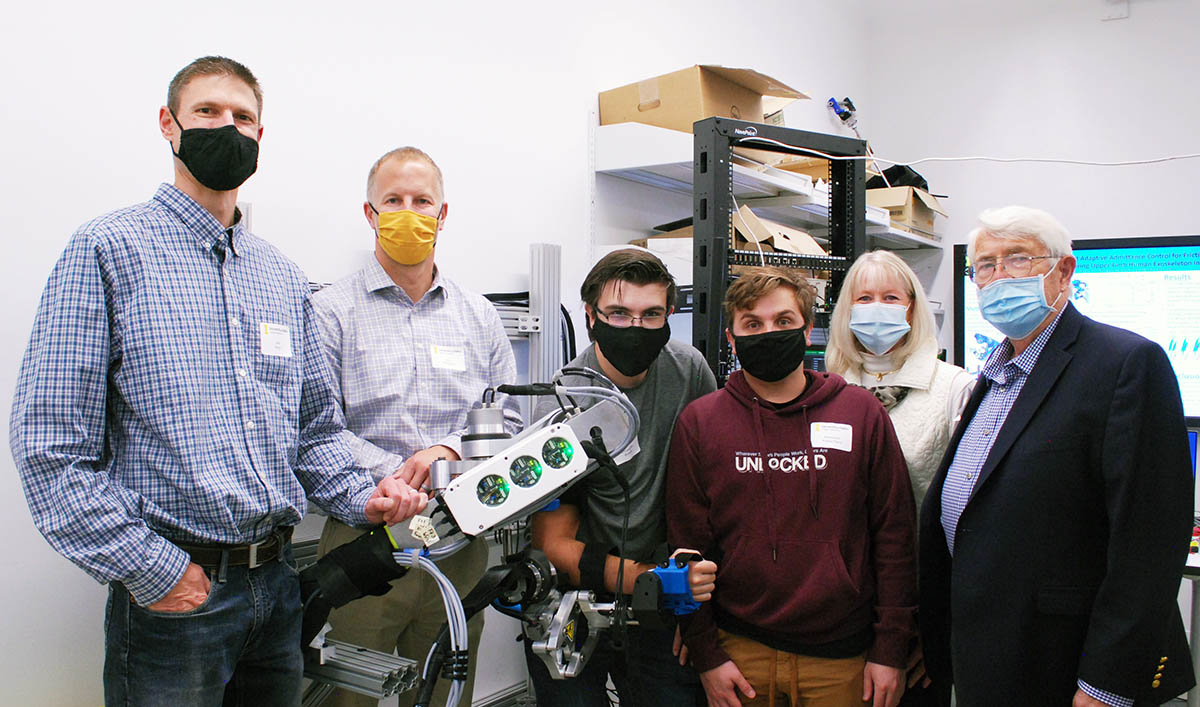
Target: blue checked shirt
(407,373)
(1007,378)
(168,396)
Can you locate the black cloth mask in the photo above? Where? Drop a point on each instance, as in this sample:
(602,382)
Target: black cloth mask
(219,158)
(771,356)
(630,350)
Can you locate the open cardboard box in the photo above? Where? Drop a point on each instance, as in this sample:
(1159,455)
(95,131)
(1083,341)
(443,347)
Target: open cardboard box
(750,230)
(675,247)
(911,209)
(813,167)
(680,98)
(783,238)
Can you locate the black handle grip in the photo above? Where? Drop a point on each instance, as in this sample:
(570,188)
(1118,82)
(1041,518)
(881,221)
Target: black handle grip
(530,389)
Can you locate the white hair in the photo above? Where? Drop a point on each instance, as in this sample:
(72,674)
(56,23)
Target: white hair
(844,353)
(1019,223)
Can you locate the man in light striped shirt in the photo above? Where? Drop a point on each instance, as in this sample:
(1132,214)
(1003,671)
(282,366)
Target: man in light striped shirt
(412,353)
(173,411)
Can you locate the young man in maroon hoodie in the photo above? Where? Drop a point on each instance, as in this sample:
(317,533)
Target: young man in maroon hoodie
(795,484)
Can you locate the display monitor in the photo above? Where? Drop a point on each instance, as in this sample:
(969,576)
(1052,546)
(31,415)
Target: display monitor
(1147,285)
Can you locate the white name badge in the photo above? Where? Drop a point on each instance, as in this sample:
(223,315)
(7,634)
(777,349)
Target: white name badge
(450,358)
(831,435)
(275,339)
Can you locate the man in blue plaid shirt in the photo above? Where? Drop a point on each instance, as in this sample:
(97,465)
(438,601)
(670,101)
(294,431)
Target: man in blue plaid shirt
(173,411)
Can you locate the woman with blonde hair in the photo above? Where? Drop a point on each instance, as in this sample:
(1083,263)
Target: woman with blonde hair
(882,336)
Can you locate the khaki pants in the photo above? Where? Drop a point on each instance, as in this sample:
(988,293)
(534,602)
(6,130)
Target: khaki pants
(408,617)
(802,680)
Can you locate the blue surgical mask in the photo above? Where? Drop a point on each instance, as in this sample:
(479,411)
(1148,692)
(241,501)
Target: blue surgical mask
(1015,305)
(878,326)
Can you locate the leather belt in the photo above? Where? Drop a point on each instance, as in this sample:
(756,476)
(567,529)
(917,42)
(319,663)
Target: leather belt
(253,555)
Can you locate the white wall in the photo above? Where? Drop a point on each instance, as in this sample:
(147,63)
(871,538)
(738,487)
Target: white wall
(501,95)
(1031,78)
(498,93)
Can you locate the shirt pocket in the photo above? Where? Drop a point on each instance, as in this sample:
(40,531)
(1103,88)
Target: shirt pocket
(377,369)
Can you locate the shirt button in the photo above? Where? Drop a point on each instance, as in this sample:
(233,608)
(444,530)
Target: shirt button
(233,321)
(241,372)
(249,424)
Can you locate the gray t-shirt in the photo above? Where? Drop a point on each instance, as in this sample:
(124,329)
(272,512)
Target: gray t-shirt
(677,377)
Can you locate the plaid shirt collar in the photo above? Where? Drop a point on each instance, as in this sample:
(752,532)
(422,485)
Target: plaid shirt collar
(207,229)
(1001,365)
(375,278)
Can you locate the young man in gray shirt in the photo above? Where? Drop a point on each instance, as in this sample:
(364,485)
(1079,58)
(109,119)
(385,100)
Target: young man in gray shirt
(627,296)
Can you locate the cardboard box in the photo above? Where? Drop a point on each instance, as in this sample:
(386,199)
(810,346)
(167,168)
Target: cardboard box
(685,232)
(750,229)
(783,238)
(678,99)
(813,167)
(911,209)
(674,249)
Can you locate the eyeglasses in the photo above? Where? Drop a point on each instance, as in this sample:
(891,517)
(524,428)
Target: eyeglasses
(620,320)
(1016,265)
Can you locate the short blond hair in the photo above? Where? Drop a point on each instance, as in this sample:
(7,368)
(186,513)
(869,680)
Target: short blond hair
(755,283)
(844,353)
(406,154)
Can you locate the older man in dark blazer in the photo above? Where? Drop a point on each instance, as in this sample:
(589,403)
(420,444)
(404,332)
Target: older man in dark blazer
(1055,532)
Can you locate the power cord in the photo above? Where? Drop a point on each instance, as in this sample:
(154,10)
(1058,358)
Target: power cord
(973,158)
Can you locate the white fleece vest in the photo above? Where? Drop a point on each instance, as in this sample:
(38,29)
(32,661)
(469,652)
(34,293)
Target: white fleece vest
(926,417)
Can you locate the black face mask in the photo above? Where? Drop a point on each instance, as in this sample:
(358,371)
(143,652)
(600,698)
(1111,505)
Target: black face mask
(630,350)
(771,356)
(219,158)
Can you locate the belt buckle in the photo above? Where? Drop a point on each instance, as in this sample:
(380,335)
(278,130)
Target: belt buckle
(254,554)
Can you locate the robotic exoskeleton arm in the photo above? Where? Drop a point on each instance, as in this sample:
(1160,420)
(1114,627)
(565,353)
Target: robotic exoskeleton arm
(500,480)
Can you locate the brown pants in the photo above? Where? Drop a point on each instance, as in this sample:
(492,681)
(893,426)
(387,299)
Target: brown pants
(408,617)
(804,681)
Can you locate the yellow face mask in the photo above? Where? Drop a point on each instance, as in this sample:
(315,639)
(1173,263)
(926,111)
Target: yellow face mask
(406,236)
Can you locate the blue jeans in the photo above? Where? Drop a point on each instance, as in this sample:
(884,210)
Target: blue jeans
(645,674)
(240,647)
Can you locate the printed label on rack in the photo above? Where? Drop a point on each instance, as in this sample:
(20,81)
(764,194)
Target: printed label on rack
(422,529)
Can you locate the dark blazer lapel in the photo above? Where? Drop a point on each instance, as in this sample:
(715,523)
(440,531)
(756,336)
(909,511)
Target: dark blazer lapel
(1050,364)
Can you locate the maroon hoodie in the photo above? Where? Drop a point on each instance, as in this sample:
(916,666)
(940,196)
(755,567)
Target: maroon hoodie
(808,511)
